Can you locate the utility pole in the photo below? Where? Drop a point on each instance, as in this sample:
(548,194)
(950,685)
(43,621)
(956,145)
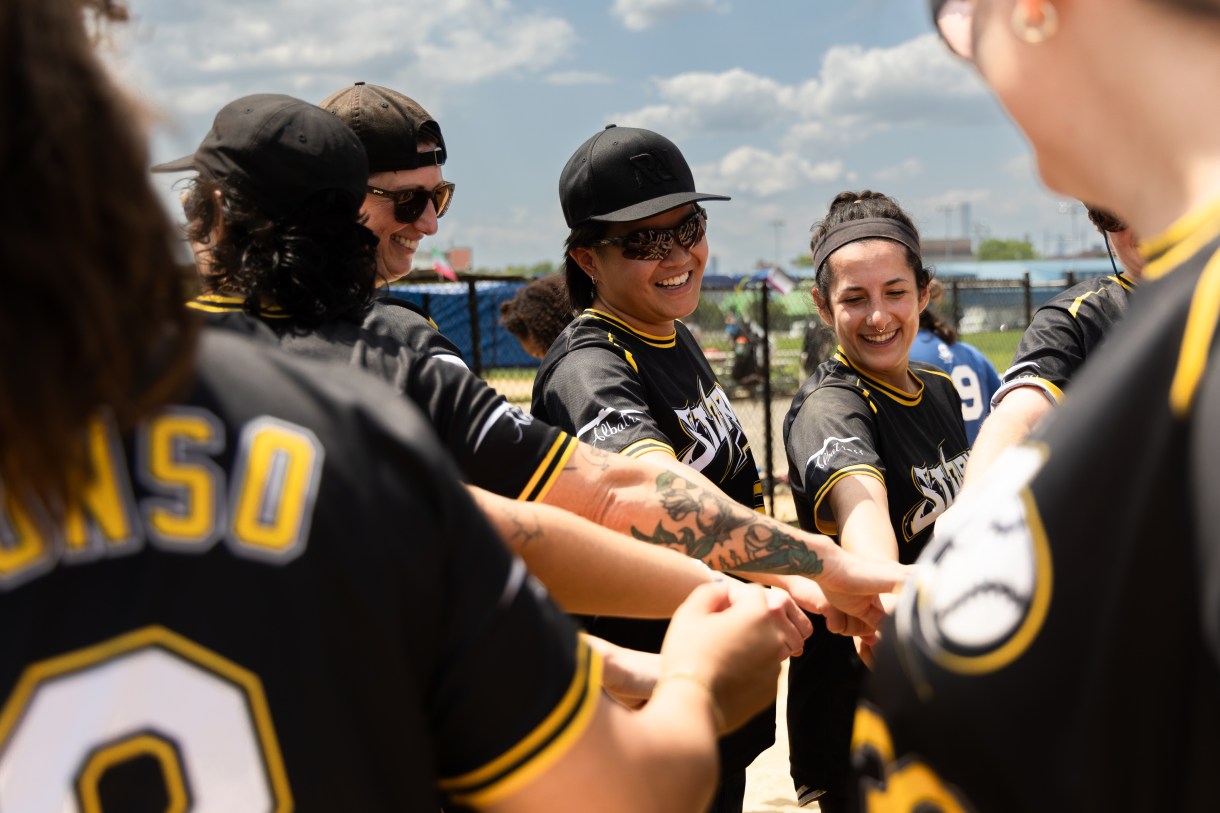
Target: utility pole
(778,225)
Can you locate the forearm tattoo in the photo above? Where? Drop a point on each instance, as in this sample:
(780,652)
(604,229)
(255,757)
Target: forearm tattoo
(518,527)
(708,521)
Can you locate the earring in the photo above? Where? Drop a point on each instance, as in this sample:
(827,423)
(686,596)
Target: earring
(1034,32)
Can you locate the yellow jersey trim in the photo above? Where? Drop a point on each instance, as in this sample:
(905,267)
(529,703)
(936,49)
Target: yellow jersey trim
(1197,339)
(217,303)
(1182,240)
(897,395)
(563,727)
(642,447)
(830,527)
(647,338)
(549,469)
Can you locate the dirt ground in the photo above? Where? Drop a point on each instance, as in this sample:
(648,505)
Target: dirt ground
(768,786)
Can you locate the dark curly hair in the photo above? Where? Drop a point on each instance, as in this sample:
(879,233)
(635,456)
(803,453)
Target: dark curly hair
(539,311)
(317,263)
(93,321)
(848,206)
(1104,219)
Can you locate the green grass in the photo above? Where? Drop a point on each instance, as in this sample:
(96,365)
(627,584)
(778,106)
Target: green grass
(998,346)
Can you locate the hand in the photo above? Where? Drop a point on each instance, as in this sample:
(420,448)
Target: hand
(846,574)
(793,623)
(731,640)
(853,615)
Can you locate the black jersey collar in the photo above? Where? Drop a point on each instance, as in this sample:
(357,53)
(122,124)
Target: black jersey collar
(895,394)
(647,338)
(218,303)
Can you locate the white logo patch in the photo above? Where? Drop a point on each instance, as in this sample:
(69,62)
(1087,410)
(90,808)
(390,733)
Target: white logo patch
(984,579)
(821,459)
(609,422)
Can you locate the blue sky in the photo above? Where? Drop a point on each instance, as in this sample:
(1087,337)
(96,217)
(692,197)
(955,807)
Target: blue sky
(779,103)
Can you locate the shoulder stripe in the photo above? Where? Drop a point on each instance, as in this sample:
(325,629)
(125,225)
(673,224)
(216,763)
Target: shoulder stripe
(1197,339)
(549,470)
(551,740)
(642,447)
(215,303)
(829,527)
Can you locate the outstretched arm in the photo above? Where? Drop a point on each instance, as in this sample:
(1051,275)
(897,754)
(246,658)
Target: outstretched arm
(719,667)
(593,570)
(1009,422)
(675,509)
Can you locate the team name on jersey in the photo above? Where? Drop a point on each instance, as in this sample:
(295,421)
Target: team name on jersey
(262,507)
(939,483)
(712,426)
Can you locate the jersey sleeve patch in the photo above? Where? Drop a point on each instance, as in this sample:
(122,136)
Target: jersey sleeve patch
(541,748)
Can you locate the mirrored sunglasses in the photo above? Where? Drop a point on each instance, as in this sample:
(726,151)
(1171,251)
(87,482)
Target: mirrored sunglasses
(655,244)
(409,204)
(955,21)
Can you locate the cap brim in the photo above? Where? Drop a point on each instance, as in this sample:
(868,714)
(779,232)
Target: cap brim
(648,208)
(184,164)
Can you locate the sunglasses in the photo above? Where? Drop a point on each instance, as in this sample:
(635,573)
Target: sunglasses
(409,204)
(655,244)
(955,21)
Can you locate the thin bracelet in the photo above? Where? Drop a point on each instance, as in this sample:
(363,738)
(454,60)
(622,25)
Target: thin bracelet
(717,714)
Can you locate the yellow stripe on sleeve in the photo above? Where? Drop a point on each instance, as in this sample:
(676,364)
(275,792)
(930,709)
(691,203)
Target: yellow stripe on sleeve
(1197,339)
(531,757)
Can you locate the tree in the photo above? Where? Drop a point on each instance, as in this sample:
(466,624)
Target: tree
(993,249)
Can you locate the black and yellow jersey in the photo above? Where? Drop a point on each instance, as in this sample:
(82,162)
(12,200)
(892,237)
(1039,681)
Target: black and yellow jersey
(1063,333)
(629,392)
(274,595)
(844,422)
(497,446)
(1060,646)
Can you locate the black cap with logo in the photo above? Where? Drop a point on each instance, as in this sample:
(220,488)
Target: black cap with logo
(623,174)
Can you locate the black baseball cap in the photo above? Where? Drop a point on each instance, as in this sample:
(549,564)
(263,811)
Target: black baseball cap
(278,151)
(390,125)
(623,174)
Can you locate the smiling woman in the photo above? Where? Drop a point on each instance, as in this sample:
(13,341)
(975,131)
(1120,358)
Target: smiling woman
(876,450)
(626,375)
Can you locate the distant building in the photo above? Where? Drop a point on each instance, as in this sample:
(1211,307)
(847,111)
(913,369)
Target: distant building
(945,250)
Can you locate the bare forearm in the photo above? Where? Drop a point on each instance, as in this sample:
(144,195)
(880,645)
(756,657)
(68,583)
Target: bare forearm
(1008,424)
(590,569)
(673,509)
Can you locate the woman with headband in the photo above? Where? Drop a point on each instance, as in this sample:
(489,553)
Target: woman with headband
(1091,680)
(876,449)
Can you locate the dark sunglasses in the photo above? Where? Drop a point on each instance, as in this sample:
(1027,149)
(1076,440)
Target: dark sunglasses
(409,204)
(955,21)
(655,244)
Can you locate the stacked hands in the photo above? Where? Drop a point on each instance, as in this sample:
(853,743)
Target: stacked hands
(730,638)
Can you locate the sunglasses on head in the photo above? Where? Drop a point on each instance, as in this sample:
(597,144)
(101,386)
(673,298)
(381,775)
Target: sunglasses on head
(655,244)
(409,204)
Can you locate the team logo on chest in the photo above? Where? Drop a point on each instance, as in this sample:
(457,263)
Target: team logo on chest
(939,484)
(713,427)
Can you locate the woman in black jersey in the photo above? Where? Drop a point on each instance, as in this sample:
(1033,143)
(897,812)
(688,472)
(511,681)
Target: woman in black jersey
(627,376)
(876,448)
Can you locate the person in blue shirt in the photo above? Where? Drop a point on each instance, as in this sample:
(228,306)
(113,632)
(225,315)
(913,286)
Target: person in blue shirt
(973,374)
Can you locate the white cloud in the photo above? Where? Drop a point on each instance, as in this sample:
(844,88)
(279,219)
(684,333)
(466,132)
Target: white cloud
(276,43)
(757,172)
(638,15)
(858,91)
(910,168)
(578,78)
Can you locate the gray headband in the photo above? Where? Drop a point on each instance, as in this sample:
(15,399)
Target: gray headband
(864,229)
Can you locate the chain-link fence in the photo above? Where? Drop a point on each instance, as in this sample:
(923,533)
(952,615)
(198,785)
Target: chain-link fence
(761,344)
